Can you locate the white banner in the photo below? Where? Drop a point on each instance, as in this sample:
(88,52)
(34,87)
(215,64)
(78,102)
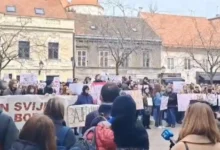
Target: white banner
(22,107)
(76,115)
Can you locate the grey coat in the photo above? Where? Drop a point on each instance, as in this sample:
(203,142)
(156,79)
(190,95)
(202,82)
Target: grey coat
(8,131)
(9,92)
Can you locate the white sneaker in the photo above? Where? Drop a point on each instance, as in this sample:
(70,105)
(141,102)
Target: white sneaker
(160,127)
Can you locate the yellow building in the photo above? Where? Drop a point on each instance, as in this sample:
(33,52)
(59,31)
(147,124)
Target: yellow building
(35,37)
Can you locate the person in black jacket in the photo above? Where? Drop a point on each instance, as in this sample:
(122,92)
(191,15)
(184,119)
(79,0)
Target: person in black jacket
(55,110)
(171,107)
(48,89)
(129,133)
(8,131)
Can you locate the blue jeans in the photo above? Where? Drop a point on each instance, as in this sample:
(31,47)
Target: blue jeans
(171,116)
(158,116)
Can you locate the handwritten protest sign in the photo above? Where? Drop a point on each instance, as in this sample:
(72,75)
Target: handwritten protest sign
(178,86)
(56,84)
(28,79)
(138,98)
(76,115)
(183,101)
(95,89)
(150,101)
(164,102)
(22,107)
(76,88)
(212,99)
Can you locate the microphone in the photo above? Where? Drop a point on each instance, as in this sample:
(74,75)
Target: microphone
(168,136)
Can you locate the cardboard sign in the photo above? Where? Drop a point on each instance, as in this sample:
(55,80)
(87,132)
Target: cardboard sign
(76,115)
(138,98)
(164,102)
(28,79)
(178,86)
(95,89)
(76,88)
(56,84)
(150,101)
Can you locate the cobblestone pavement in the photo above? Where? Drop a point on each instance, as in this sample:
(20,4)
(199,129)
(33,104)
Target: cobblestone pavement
(157,142)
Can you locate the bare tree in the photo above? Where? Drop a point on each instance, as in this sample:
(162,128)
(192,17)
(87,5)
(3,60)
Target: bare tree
(153,8)
(9,39)
(208,39)
(123,36)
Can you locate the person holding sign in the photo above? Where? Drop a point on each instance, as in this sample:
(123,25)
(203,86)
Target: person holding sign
(172,106)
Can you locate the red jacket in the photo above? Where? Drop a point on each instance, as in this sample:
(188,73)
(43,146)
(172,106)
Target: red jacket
(104,137)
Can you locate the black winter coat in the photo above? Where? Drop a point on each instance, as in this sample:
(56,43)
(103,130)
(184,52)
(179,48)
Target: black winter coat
(24,145)
(8,131)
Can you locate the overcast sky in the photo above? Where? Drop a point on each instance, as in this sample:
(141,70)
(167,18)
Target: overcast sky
(204,8)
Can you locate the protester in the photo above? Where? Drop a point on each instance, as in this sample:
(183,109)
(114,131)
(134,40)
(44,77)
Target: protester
(98,78)
(8,131)
(84,97)
(128,134)
(103,134)
(48,89)
(147,110)
(12,89)
(31,90)
(37,134)
(172,107)
(55,110)
(157,102)
(199,130)
(87,80)
(108,94)
(3,86)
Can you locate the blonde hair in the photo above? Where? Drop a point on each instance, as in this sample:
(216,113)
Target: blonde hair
(55,109)
(200,120)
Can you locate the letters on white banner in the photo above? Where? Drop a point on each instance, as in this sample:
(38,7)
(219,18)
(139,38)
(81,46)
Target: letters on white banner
(22,107)
(76,115)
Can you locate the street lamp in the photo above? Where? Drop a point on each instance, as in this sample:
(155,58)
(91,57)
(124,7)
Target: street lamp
(73,66)
(163,69)
(41,66)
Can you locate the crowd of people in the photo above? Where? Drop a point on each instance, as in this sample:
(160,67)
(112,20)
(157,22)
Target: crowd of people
(116,125)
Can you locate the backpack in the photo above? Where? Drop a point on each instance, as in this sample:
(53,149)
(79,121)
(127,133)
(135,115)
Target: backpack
(61,137)
(84,144)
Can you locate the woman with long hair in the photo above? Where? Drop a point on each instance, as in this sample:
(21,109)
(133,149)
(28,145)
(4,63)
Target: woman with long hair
(38,133)
(64,134)
(199,130)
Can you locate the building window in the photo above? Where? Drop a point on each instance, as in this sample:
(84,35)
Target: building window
(10,9)
(170,63)
(125,62)
(82,58)
(187,64)
(146,59)
(53,50)
(39,11)
(206,65)
(103,58)
(24,49)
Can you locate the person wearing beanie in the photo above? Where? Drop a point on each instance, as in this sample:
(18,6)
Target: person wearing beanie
(128,133)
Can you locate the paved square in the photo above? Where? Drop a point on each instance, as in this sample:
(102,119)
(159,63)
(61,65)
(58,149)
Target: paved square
(157,142)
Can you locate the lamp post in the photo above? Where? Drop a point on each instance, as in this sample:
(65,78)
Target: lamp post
(41,66)
(163,69)
(73,65)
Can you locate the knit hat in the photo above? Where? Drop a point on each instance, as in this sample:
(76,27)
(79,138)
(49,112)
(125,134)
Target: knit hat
(124,107)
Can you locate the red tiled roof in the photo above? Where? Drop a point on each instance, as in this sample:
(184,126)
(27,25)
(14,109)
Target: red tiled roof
(52,8)
(183,31)
(80,2)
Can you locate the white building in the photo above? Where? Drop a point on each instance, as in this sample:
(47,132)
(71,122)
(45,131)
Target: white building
(91,7)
